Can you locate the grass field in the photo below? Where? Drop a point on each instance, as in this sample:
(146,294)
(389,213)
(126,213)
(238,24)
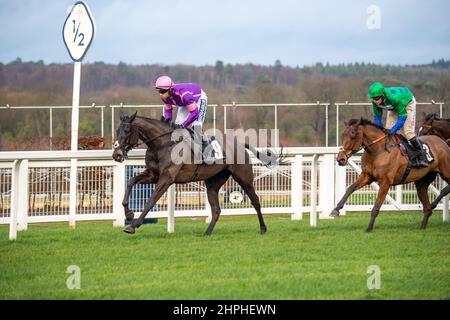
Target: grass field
(292,261)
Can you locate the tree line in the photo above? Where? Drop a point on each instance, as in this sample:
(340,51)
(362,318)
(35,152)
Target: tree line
(36,83)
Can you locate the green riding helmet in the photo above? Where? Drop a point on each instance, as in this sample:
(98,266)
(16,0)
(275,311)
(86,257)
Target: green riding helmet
(376,90)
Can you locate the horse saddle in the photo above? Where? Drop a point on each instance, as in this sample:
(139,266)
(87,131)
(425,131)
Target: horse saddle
(211,150)
(410,152)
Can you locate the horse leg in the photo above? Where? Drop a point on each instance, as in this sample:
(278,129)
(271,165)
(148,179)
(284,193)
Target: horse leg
(244,178)
(213,186)
(384,188)
(422,192)
(33,201)
(60,200)
(144,177)
(80,205)
(161,187)
(443,193)
(362,181)
(444,172)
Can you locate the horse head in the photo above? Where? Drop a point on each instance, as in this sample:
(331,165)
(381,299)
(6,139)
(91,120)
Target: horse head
(127,137)
(427,126)
(352,141)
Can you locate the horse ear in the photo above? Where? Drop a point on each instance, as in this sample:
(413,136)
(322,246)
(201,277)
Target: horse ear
(133,116)
(123,116)
(360,121)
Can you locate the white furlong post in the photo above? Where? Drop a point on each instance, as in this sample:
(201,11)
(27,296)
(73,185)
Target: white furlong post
(341,185)
(171,209)
(313,214)
(119,191)
(297,188)
(22,205)
(74,143)
(326,185)
(14,200)
(78,33)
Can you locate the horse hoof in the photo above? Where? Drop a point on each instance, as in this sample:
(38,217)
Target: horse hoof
(129,230)
(263,230)
(334,214)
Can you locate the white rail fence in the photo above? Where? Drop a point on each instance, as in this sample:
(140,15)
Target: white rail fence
(223,116)
(228,111)
(53,112)
(34,188)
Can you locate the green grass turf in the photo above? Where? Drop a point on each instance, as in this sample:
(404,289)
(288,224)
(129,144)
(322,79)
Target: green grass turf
(292,261)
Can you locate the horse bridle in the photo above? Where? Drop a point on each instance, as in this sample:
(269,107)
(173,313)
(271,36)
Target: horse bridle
(129,146)
(351,152)
(428,126)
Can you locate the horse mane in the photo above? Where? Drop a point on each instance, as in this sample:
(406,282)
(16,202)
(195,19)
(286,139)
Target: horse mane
(366,122)
(153,120)
(429,116)
(436,117)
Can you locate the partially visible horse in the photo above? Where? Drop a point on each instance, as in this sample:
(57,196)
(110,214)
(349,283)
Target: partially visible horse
(84,143)
(433,125)
(383,162)
(164,171)
(92,180)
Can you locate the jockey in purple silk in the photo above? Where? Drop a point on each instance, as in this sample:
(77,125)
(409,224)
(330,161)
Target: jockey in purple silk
(189,97)
(191,101)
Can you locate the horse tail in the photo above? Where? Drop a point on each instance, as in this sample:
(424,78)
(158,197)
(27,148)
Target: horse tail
(268,157)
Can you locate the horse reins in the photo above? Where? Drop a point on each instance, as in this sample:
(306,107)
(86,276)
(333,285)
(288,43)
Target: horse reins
(352,152)
(375,141)
(147,141)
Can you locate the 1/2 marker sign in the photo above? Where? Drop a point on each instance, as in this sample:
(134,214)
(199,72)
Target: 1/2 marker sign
(78,31)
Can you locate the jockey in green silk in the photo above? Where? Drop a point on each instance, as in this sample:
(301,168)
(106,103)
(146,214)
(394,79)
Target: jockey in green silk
(400,104)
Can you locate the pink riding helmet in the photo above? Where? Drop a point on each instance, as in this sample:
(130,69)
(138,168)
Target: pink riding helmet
(163,82)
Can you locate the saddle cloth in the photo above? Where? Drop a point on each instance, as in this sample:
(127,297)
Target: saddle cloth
(211,148)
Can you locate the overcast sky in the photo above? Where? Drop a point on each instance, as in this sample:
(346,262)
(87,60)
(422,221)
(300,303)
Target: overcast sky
(235,31)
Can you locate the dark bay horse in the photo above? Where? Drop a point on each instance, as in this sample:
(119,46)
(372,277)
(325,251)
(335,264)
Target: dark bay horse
(383,162)
(433,125)
(162,170)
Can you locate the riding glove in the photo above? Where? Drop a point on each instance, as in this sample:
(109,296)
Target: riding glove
(398,125)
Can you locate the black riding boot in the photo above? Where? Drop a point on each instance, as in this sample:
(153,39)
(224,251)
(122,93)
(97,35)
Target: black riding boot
(200,139)
(421,158)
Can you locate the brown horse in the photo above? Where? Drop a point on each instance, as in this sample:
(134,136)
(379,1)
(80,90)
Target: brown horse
(164,171)
(433,125)
(383,162)
(84,143)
